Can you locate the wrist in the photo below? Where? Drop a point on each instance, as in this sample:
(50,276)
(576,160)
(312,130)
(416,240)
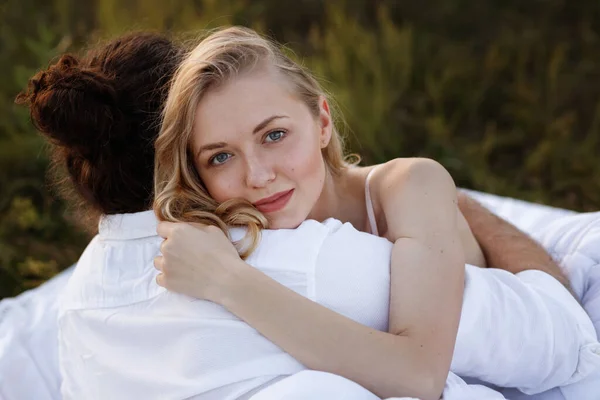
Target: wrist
(556,275)
(235,284)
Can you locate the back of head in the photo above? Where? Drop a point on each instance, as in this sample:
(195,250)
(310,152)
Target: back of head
(101,112)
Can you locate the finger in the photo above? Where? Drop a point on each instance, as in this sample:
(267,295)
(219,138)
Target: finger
(158,263)
(162,247)
(160,280)
(208,228)
(165,228)
(213,229)
(198,225)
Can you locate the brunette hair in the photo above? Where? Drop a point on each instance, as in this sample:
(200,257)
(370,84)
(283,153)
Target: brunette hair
(101,113)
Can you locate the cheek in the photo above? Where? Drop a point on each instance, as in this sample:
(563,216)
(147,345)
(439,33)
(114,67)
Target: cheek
(221,185)
(305,165)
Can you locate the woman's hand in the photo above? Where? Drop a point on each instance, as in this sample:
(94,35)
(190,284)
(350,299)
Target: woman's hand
(197,260)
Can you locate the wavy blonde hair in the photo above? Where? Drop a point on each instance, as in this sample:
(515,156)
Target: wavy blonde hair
(180,195)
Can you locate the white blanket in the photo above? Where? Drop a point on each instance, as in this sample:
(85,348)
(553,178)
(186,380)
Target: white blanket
(317,385)
(29,343)
(572,239)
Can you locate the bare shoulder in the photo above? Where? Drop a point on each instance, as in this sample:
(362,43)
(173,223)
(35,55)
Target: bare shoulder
(412,177)
(414,192)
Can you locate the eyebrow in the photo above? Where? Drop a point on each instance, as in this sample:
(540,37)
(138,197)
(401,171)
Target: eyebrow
(266,122)
(212,146)
(258,128)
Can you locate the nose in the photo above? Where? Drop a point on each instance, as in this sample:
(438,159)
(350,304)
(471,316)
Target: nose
(259,172)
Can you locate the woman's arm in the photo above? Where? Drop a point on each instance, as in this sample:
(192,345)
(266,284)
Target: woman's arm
(321,339)
(324,340)
(413,361)
(418,198)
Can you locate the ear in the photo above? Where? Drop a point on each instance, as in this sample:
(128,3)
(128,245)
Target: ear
(325,122)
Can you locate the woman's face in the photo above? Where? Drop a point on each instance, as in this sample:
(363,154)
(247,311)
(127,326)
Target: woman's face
(253,139)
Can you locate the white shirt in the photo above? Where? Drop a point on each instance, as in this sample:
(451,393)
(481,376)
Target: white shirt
(122,336)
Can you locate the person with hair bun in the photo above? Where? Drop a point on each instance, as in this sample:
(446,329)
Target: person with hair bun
(101,114)
(123,336)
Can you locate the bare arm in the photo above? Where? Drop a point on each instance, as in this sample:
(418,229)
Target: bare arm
(504,245)
(427,281)
(427,285)
(321,339)
(389,365)
(418,198)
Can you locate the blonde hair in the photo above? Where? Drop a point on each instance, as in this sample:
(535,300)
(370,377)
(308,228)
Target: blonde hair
(180,195)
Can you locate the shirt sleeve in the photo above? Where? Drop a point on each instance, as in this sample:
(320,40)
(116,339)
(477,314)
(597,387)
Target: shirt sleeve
(524,331)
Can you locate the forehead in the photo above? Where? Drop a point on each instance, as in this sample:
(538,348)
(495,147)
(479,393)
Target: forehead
(239,105)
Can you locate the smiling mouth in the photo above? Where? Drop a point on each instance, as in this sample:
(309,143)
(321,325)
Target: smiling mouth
(274,203)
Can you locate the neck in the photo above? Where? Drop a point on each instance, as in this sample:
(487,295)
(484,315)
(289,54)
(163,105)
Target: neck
(342,198)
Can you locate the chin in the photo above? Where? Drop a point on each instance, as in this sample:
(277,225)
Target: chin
(285,223)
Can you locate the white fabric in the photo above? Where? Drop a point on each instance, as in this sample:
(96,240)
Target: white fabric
(29,344)
(122,336)
(504,322)
(119,329)
(37,318)
(528,217)
(511,323)
(352,275)
(314,385)
(317,385)
(574,242)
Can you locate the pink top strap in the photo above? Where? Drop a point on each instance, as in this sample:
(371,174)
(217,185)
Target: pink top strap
(370,211)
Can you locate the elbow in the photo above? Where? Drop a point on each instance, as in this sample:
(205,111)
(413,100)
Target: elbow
(423,385)
(430,373)
(424,368)
(436,388)
(431,386)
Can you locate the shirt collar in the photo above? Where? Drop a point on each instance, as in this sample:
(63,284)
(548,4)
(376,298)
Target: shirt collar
(128,226)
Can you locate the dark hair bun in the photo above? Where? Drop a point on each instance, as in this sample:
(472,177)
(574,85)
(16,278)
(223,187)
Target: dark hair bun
(74,107)
(102,113)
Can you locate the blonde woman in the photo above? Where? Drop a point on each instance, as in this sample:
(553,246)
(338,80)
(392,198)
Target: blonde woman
(248,139)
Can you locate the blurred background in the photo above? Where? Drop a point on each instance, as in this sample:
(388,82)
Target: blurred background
(504,93)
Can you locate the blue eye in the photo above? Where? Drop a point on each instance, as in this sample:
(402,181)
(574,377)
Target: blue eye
(274,136)
(219,159)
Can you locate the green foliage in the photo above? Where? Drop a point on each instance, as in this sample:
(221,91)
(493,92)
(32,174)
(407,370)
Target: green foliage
(512,110)
(503,93)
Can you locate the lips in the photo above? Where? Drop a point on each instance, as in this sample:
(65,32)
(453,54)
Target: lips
(274,203)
